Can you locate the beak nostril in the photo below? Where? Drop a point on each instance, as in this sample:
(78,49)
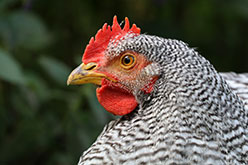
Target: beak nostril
(91,67)
(86,73)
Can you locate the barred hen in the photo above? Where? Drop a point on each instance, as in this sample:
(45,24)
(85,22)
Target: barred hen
(175,107)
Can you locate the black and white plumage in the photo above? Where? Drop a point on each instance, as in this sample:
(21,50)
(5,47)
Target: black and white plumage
(177,108)
(194,115)
(239,85)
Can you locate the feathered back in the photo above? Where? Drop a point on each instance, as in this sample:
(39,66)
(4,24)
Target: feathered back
(239,84)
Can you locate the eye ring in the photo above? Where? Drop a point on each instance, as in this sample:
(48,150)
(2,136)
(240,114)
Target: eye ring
(127,61)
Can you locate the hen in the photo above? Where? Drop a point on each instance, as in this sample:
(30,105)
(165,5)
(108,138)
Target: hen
(175,107)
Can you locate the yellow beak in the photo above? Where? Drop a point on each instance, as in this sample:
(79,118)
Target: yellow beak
(86,73)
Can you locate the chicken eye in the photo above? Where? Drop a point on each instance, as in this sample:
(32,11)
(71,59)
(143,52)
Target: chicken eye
(128,61)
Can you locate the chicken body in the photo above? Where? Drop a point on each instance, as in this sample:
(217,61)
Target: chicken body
(192,116)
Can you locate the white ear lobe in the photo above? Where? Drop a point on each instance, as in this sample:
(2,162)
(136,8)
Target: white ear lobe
(151,70)
(146,76)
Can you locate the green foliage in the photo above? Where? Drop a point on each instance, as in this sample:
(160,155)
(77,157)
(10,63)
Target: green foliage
(23,30)
(55,69)
(10,68)
(42,120)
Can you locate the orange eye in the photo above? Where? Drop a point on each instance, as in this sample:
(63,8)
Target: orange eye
(128,61)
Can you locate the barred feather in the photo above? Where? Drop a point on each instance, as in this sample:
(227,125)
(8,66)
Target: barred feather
(193,116)
(239,84)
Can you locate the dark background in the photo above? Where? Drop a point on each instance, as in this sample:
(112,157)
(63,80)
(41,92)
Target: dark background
(43,121)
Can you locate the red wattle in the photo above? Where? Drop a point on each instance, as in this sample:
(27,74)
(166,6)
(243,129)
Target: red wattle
(115,99)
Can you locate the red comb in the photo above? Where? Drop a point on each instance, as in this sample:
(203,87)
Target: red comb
(95,48)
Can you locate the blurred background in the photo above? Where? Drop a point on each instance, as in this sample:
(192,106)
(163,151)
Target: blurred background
(43,121)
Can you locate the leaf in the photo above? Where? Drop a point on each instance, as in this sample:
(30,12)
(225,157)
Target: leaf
(57,70)
(23,30)
(10,69)
(36,84)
